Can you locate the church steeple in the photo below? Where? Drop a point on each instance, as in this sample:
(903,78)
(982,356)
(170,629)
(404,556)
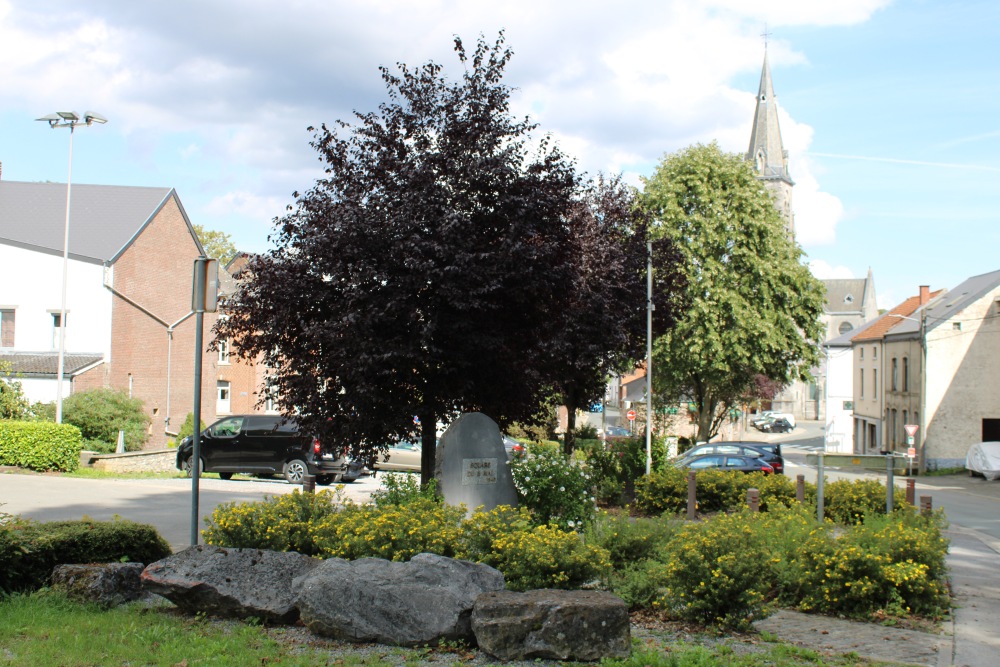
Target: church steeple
(767,153)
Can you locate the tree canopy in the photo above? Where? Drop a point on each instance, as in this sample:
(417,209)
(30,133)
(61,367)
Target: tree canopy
(753,307)
(422,276)
(217,244)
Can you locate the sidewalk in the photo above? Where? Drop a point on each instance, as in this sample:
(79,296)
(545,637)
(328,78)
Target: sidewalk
(970,639)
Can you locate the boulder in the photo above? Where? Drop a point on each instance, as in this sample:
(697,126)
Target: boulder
(420,602)
(552,625)
(107,584)
(239,583)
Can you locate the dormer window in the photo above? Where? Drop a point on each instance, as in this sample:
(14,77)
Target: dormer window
(849,298)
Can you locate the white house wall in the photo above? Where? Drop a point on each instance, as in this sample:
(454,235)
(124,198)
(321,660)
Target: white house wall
(839,433)
(962,388)
(37,293)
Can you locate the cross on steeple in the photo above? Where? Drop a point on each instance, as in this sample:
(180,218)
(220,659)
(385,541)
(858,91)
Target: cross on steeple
(765,35)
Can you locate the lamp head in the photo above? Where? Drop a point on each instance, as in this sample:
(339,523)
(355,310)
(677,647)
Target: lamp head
(92,117)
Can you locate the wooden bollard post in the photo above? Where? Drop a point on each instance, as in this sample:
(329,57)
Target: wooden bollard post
(800,488)
(911,491)
(926,506)
(692,495)
(309,484)
(753,500)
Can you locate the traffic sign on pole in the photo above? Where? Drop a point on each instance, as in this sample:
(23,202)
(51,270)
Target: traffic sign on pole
(911,429)
(630,415)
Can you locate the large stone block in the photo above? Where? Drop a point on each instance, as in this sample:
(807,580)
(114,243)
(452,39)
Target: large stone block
(471,464)
(239,583)
(552,625)
(107,584)
(423,601)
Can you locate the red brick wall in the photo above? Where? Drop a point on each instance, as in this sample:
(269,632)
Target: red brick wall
(95,378)
(155,272)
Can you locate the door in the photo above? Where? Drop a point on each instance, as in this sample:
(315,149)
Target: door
(991,430)
(222,402)
(220,448)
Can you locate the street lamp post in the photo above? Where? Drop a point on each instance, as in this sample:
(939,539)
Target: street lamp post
(68,119)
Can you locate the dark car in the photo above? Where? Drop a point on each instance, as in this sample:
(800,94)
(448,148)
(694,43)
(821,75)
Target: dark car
(778,425)
(731,462)
(769,452)
(262,445)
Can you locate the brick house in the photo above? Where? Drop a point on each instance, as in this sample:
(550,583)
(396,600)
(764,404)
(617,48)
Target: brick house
(129,323)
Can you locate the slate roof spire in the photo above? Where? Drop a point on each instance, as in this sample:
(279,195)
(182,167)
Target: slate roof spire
(766,151)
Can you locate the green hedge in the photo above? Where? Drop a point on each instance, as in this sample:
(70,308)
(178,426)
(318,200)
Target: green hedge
(41,446)
(29,550)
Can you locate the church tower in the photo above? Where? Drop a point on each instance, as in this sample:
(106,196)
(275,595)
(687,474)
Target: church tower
(767,152)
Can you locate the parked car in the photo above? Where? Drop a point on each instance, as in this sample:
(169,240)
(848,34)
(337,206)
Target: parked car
(262,445)
(731,462)
(777,425)
(617,432)
(513,447)
(983,458)
(769,452)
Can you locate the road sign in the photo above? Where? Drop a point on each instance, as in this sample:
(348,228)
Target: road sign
(911,452)
(911,429)
(631,415)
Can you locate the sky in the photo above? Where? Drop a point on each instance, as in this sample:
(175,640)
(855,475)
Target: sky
(890,111)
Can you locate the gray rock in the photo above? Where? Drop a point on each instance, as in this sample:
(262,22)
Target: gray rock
(471,464)
(423,601)
(107,584)
(552,625)
(239,583)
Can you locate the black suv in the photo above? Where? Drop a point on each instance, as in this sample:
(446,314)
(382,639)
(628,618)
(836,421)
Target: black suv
(262,445)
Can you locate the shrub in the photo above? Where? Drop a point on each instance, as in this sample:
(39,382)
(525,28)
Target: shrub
(13,403)
(847,501)
(554,488)
(187,428)
(401,488)
(480,531)
(716,491)
(639,584)
(716,571)
(40,446)
(29,551)
(278,523)
(546,557)
(615,468)
(630,540)
(101,413)
(890,565)
(391,531)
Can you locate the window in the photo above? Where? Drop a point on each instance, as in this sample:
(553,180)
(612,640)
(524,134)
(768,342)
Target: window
(862,383)
(904,418)
(224,351)
(874,383)
(957,326)
(862,353)
(844,327)
(56,328)
(906,374)
(222,403)
(7,327)
(895,374)
(874,352)
(893,427)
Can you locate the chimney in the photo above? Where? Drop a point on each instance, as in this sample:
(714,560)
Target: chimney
(925,294)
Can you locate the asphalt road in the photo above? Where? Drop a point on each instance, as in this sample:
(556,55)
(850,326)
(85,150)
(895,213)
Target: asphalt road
(165,503)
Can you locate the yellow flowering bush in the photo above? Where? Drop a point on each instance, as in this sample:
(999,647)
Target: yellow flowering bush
(716,572)
(393,532)
(717,491)
(546,557)
(847,501)
(891,565)
(479,533)
(279,523)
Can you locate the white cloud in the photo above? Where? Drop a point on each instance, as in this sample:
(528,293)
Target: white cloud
(824,271)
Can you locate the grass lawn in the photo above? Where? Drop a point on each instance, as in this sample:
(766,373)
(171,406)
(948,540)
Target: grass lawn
(47,629)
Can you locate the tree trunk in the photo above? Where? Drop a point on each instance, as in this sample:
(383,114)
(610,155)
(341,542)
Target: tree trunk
(569,441)
(428,448)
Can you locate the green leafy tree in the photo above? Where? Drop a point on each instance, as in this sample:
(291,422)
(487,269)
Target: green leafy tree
(101,413)
(13,403)
(753,307)
(216,244)
(419,277)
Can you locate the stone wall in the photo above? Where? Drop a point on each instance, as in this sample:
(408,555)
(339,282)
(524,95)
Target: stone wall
(162,460)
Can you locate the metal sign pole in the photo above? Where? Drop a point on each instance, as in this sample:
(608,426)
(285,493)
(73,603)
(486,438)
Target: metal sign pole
(203,297)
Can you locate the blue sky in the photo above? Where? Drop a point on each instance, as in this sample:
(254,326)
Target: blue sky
(890,110)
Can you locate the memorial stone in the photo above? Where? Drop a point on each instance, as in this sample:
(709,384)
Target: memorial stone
(471,464)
